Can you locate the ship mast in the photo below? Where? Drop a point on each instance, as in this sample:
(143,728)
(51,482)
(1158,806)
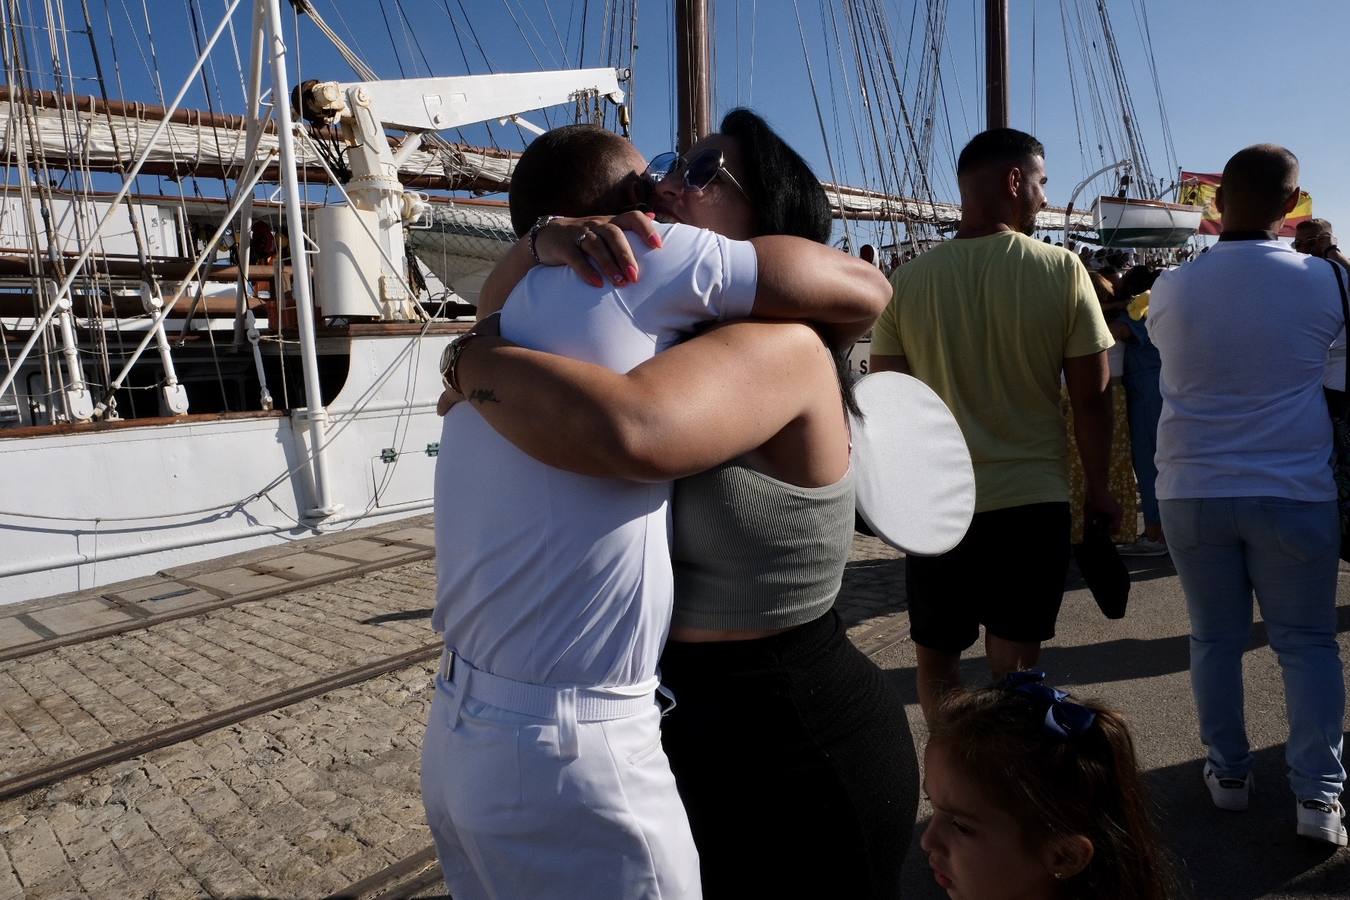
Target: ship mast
(996,63)
(692,72)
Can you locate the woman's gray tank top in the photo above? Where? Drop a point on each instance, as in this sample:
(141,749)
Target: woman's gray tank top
(754,553)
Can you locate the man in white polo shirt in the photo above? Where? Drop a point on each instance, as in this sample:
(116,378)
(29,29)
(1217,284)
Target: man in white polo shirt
(543,774)
(1244,481)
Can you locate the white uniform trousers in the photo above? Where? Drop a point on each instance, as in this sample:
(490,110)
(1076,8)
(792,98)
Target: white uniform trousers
(536,792)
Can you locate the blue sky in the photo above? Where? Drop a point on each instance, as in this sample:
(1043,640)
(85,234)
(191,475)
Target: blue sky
(1232,73)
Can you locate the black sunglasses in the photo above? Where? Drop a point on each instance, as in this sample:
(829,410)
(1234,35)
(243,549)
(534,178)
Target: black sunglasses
(698,170)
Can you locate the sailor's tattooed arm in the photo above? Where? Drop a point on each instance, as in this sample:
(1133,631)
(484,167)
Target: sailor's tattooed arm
(483,395)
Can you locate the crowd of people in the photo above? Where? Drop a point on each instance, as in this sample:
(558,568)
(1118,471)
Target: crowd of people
(648,505)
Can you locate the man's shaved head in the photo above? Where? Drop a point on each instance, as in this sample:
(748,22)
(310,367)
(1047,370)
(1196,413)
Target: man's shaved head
(1257,183)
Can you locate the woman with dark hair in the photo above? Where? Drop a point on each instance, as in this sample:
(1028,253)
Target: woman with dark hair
(791,749)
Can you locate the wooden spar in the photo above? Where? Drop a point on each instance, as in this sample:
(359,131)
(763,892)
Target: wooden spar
(996,63)
(692,76)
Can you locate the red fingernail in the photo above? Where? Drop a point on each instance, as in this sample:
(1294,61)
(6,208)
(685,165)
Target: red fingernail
(595,280)
(632,273)
(654,240)
(651,215)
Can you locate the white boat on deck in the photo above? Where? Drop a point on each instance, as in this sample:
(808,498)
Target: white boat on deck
(1129,222)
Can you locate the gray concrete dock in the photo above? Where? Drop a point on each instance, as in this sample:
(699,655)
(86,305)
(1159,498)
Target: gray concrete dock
(253,727)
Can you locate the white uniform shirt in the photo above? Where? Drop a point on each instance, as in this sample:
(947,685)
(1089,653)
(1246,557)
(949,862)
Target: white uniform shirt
(1244,332)
(549,577)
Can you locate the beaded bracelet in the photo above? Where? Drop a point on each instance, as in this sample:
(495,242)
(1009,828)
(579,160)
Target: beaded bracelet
(539,224)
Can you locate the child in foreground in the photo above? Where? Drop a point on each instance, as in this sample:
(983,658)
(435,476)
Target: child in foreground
(1036,797)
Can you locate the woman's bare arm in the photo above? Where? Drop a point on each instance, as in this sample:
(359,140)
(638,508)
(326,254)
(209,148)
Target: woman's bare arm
(800,279)
(797,278)
(692,407)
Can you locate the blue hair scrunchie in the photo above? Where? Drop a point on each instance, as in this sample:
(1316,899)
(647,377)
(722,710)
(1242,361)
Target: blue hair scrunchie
(1063,718)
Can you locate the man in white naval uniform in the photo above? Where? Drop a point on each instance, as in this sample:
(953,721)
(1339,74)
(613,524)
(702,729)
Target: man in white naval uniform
(543,773)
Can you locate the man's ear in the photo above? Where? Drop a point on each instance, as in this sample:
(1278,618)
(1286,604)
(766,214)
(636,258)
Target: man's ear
(1014,180)
(1290,203)
(1218,199)
(1067,855)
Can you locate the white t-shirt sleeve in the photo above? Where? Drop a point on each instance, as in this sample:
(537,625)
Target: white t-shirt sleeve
(740,278)
(695,278)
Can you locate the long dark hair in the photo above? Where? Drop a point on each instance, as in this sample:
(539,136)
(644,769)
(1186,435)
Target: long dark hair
(787,198)
(1087,784)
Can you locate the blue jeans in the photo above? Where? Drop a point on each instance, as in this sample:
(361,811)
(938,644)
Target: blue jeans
(1143,406)
(1287,551)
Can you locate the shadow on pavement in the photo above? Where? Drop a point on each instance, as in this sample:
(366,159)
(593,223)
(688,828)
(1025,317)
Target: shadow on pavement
(1128,658)
(1092,664)
(1141,568)
(1252,854)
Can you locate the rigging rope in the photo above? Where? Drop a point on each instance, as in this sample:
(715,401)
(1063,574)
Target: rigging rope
(815,96)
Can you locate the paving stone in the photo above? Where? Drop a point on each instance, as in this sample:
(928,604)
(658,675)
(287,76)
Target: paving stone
(421,535)
(10,888)
(101,873)
(364,550)
(80,616)
(36,854)
(164,596)
(238,580)
(14,633)
(305,565)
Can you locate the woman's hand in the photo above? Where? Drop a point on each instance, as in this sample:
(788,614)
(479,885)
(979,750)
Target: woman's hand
(596,242)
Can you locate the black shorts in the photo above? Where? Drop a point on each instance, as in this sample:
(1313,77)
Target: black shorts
(1007,574)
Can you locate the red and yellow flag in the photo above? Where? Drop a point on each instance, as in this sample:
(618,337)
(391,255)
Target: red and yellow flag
(1198,189)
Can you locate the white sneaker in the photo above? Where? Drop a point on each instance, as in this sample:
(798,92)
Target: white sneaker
(1322,821)
(1229,793)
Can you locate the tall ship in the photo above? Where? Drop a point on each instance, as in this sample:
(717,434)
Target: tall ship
(220,321)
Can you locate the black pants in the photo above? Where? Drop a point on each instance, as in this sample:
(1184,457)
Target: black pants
(794,759)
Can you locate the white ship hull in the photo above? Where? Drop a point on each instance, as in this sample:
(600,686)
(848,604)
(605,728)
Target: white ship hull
(83,508)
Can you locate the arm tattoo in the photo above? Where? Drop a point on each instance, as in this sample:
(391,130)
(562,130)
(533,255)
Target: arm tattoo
(483,395)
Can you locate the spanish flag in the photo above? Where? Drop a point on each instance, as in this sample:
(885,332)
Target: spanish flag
(1198,189)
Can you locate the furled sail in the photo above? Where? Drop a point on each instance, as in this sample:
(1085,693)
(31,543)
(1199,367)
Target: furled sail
(203,144)
(861,204)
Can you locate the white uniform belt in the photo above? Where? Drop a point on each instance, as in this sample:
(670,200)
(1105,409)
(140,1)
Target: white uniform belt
(591,704)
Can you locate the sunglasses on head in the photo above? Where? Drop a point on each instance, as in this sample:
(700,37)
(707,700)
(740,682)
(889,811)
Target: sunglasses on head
(698,170)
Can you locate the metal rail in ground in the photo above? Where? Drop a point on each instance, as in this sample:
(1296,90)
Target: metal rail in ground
(406,878)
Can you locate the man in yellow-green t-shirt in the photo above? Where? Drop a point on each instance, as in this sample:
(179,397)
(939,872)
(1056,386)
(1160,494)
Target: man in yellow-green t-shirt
(990,320)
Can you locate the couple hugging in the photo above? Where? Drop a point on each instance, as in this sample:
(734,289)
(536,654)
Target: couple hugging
(635,704)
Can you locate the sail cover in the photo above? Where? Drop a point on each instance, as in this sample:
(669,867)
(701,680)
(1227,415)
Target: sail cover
(96,140)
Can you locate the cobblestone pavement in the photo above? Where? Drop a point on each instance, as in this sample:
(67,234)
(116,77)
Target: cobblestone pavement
(80,698)
(299,802)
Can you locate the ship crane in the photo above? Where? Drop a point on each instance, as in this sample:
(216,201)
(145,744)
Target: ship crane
(365,235)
